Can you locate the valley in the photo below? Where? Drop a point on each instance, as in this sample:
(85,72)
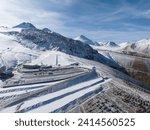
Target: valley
(137,66)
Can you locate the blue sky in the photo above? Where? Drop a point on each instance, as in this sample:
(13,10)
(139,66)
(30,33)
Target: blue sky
(100,20)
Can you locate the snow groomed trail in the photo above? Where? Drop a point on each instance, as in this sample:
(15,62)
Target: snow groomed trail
(53,98)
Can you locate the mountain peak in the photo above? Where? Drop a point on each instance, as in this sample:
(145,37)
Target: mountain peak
(82,36)
(25,25)
(111,44)
(84,39)
(46,30)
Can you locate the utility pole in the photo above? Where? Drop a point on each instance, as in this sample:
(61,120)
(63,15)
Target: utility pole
(56,60)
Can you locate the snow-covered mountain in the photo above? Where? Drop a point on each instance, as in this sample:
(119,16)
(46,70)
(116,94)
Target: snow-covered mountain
(124,44)
(111,44)
(53,41)
(25,25)
(141,46)
(84,39)
(108,44)
(29,43)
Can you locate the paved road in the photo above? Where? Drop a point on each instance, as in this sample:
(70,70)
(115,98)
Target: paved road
(57,76)
(22,97)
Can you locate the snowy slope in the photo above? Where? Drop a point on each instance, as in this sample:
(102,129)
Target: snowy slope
(137,66)
(49,58)
(141,46)
(12,53)
(124,44)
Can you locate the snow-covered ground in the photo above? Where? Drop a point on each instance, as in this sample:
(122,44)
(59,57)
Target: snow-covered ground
(49,58)
(58,99)
(18,90)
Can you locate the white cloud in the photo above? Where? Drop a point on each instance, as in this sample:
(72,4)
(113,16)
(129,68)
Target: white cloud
(13,12)
(63,2)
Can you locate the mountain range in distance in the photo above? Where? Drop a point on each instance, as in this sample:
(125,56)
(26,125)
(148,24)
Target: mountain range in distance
(142,46)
